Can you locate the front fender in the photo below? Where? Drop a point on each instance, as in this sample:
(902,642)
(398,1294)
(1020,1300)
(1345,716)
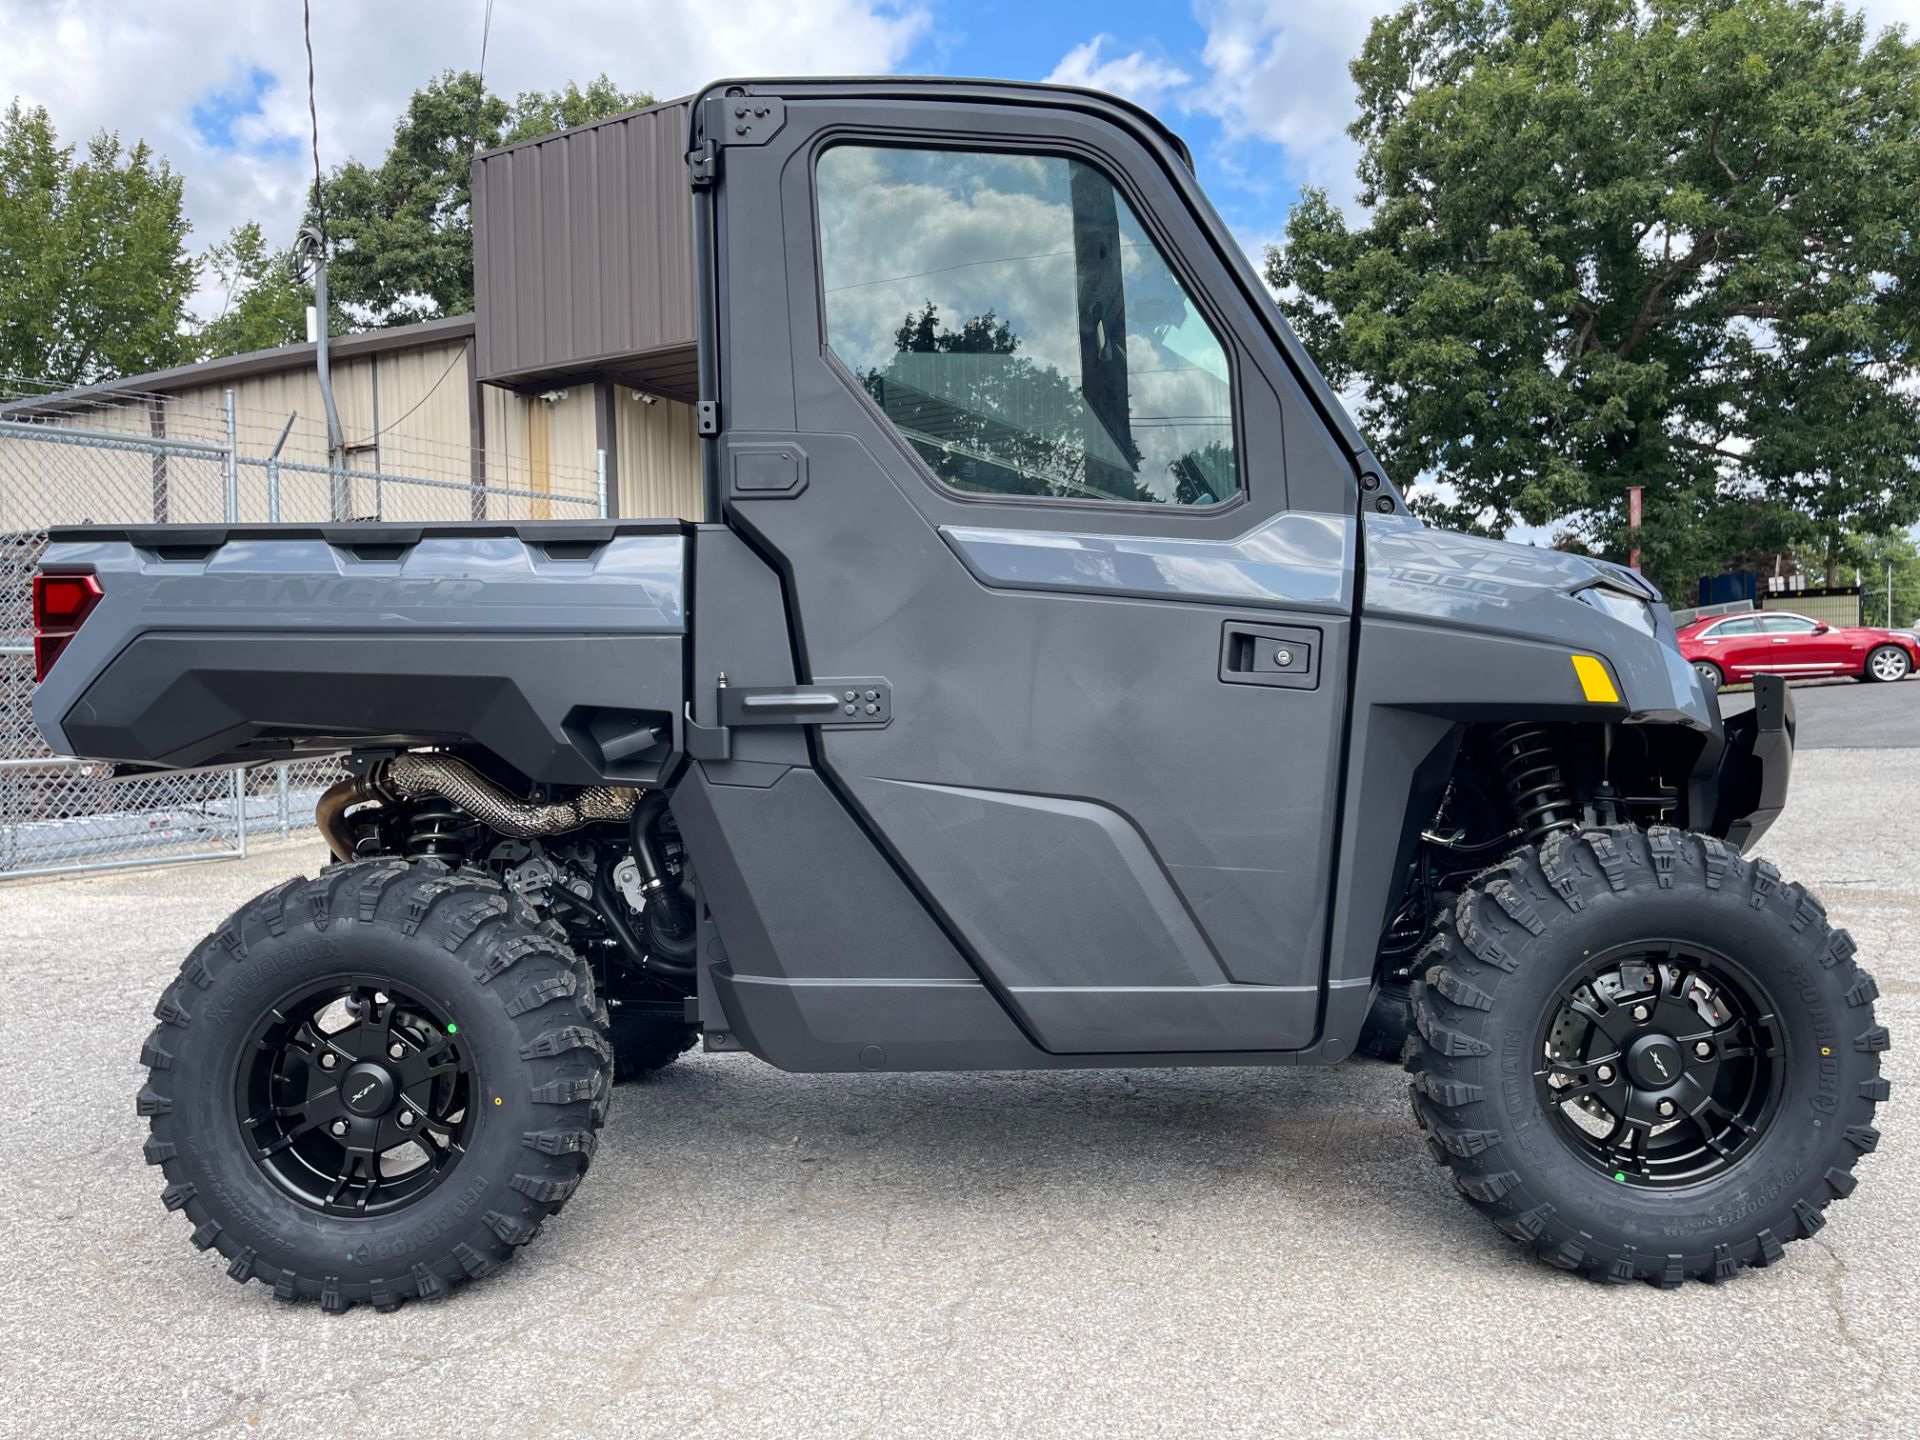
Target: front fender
(1739,787)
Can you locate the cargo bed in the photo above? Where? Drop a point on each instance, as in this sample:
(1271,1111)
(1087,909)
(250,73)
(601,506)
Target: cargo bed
(557,644)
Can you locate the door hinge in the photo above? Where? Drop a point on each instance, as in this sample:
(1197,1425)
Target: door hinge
(706,417)
(747,119)
(703,165)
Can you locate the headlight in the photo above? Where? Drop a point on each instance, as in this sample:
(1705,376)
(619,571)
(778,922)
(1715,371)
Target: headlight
(1629,609)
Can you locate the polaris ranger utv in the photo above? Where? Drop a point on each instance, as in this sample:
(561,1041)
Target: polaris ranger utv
(1058,682)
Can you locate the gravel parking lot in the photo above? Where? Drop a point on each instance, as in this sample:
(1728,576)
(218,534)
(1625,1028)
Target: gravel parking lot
(1135,1253)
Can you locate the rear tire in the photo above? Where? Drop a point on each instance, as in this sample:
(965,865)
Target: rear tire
(1490,1003)
(453,978)
(1886,663)
(1711,675)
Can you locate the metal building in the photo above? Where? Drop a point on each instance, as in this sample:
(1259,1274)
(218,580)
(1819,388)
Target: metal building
(577,362)
(566,394)
(583,259)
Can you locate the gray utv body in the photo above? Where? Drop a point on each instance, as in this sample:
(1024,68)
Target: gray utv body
(964,780)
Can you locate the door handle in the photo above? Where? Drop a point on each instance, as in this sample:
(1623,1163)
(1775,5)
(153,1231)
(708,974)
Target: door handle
(867,701)
(1286,657)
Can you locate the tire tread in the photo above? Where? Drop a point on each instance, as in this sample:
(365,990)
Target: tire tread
(562,1026)
(1455,1090)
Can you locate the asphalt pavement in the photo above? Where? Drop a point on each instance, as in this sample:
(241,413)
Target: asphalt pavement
(1132,1253)
(1846,714)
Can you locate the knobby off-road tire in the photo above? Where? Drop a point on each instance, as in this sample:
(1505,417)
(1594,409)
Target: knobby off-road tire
(1389,1021)
(1490,982)
(520,1019)
(645,1043)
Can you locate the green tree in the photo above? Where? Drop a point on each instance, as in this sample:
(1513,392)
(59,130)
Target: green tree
(1667,243)
(1875,555)
(541,112)
(401,232)
(94,270)
(262,304)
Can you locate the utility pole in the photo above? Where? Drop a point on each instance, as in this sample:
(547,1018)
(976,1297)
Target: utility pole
(1633,524)
(310,256)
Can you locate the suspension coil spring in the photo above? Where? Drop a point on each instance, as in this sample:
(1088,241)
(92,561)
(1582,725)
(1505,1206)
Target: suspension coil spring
(437,831)
(1536,788)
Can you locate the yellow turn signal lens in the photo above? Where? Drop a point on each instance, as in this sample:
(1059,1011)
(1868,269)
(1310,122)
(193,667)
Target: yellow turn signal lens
(1595,683)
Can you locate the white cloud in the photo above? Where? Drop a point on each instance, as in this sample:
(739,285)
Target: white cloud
(1893,12)
(1277,72)
(140,70)
(1137,76)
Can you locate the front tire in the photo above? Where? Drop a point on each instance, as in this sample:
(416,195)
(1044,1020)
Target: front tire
(1383,1036)
(1887,663)
(1644,1056)
(375,1085)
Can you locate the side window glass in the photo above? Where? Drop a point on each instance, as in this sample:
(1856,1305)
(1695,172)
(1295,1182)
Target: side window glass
(1736,627)
(1020,329)
(1786,625)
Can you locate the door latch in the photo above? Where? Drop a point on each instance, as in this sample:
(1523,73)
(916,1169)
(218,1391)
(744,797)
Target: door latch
(1286,656)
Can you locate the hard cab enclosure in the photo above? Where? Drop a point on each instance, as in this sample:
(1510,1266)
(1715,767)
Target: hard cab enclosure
(1058,680)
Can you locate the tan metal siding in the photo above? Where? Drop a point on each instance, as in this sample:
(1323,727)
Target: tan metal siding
(424,432)
(43,484)
(659,458)
(545,447)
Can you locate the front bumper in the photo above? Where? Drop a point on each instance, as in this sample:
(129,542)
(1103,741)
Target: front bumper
(1739,788)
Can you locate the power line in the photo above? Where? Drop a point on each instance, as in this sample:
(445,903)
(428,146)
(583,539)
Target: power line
(459,354)
(480,86)
(313,115)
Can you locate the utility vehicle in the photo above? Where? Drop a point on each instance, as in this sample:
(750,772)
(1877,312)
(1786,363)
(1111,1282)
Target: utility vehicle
(1058,681)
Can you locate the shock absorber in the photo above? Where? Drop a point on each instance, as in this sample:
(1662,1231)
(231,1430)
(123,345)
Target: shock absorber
(436,830)
(1536,788)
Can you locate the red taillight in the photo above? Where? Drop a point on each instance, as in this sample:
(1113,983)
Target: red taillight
(60,604)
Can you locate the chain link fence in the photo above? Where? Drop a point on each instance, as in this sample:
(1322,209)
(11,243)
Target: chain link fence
(133,458)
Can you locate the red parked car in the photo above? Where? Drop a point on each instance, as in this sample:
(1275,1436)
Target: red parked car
(1729,648)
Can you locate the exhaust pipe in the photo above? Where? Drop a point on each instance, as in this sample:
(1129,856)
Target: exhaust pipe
(412,775)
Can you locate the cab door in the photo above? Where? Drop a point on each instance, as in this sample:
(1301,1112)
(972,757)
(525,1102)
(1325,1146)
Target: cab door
(1060,531)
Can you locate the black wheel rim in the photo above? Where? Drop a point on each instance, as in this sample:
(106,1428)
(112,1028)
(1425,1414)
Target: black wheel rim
(354,1098)
(1661,1064)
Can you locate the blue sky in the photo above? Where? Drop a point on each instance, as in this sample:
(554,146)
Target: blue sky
(1258,87)
(223,111)
(1251,180)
